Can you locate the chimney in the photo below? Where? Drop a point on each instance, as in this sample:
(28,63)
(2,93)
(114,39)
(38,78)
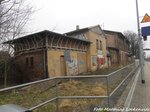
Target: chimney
(77,27)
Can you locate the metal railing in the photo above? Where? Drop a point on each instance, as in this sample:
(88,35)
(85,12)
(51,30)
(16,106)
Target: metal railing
(108,89)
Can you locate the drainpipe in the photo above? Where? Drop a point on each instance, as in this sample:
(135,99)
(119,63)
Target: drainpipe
(45,60)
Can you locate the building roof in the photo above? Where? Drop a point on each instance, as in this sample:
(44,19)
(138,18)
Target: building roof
(112,32)
(82,30)
(44,32)
(115,32)
(77,31)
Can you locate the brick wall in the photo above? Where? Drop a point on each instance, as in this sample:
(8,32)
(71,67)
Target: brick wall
(31,66)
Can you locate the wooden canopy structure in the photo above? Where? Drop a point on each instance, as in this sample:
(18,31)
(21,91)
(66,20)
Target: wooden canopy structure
(49,40)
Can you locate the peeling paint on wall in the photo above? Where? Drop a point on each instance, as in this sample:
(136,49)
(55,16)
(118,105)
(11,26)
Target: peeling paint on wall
(94,60)
(81,62)
(58,66)
(67,55)
(72,68)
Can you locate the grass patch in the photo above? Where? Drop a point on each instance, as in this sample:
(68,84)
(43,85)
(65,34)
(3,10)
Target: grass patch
(77,88)
(104,71)
(33,95)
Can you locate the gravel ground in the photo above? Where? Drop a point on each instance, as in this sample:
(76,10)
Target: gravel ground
(122,99)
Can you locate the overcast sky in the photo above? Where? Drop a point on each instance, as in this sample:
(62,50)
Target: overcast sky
(63,15)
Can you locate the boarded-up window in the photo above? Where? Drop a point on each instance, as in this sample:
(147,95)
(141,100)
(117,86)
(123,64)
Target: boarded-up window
(97,43)
(101,45)
(31,61)
(27,61)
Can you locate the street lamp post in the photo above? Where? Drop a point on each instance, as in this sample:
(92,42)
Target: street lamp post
(140,45)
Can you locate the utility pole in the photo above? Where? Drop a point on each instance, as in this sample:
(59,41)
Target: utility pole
(140,45)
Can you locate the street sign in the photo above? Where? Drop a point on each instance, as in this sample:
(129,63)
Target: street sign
(145,31)
(146,18)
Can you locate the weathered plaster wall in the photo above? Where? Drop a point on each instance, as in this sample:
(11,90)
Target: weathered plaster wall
(74,63)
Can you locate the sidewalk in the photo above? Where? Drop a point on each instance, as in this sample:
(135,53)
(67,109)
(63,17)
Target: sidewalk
(141,96)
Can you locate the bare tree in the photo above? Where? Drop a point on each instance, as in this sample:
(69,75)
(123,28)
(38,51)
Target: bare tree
(14,15)
(132,37)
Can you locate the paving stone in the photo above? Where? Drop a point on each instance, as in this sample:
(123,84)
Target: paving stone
(141,96)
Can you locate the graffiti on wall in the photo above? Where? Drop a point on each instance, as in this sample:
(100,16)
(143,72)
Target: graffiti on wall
(94,60)
(100,52)
(72,67)
(100,58)
(101,61)
(67,55)
(81,62)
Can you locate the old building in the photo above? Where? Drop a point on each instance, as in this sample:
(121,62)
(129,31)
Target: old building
(97,53)
(118,48)
(49,54)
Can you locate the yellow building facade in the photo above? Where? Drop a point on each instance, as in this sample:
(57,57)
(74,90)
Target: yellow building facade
(59,66)
(96,53)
